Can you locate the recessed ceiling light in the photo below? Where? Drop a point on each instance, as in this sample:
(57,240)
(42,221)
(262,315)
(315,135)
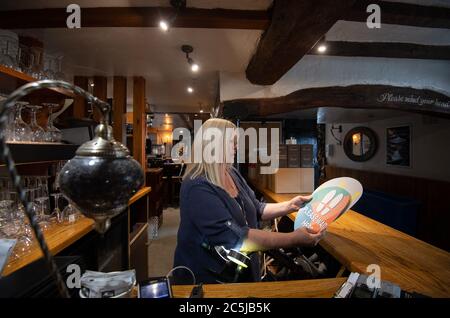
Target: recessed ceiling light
(190,89)
(163,25)
(322,48)
(201,110)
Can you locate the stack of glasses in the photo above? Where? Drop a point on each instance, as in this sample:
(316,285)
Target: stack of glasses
(33,61)
(13,221)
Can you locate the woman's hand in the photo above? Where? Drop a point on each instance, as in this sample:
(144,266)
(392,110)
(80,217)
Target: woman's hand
(296,203)
(307,237)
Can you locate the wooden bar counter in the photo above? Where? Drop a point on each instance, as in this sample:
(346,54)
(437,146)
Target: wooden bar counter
(357,241)
(317,288)
(60,237)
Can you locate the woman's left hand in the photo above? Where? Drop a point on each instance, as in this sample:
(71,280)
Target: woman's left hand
(296,203)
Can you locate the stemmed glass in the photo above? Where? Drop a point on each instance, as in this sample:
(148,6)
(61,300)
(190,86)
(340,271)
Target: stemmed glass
(48,71)
(20,130)
(42,217)
(52,133)
(37,132)
(57,211)
(70,214)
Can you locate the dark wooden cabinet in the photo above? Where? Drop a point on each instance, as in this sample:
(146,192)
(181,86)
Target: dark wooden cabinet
(154,179)
(139,251)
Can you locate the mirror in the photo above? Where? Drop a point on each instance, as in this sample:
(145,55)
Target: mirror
(360,144)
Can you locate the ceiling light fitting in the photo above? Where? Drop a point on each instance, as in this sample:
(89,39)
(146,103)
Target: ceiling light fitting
(187,49)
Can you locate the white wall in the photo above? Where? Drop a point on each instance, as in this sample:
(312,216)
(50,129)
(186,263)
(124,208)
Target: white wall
(430,147)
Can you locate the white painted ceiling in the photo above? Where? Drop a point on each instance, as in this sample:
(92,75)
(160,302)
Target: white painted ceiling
(157,56)
(150,53)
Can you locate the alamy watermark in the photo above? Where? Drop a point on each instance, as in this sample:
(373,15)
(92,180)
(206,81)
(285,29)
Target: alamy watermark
(212,145)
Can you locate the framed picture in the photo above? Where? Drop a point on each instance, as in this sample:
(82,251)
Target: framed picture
(398,146)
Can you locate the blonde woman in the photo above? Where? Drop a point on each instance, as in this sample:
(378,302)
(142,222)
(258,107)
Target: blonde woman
(218,208)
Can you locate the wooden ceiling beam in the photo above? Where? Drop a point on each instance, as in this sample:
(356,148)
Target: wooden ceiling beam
(296,27)
(137,17)
(354,96)
(385,49)
(402,14)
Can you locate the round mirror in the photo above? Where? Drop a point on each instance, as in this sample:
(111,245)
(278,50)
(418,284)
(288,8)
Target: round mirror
(360,144)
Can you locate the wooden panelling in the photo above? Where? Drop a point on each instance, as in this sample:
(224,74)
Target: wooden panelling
(139,127)
(100,91)
(434,214)
(80,107)
(119,107)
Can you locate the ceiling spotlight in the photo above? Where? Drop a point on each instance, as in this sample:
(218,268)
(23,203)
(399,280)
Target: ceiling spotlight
(163,25)
(194,67)
(187,49)
(201,110)
(190,90)
(322,48)
(92,84)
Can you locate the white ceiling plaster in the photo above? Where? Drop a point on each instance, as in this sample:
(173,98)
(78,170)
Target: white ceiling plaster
(359,32)
(157,56)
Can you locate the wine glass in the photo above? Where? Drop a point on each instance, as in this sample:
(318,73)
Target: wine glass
(37,132)
(70,214)
(57,211)
(48,71)
(53,134)
(20,130)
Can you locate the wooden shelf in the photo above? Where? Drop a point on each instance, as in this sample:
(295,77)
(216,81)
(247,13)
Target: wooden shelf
(11,79)
(26,153)
(58,238)
(141,193)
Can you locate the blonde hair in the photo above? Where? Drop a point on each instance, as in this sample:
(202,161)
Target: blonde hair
(213,172)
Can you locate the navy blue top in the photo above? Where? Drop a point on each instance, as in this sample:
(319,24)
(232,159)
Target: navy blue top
(209,215)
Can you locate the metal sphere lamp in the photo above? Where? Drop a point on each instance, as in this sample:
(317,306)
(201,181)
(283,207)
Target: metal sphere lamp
(99,180)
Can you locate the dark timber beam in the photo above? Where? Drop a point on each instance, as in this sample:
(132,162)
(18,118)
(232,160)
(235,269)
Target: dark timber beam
(296,27)
(137,17)
(403,14)
(385,49)
(354,96)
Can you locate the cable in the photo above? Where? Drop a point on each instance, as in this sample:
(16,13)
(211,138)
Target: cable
(184,267)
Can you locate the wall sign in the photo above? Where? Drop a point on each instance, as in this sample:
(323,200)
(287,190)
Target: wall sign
(412,100)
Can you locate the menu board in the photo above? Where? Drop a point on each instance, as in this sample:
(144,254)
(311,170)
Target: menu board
(329,201)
